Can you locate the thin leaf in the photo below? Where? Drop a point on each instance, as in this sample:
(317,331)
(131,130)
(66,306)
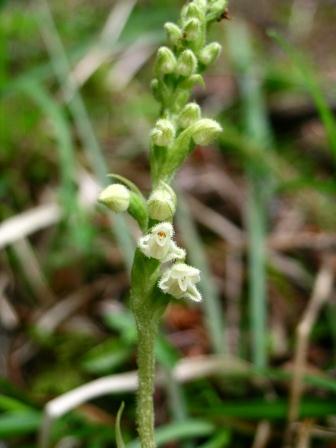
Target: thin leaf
(220,440)
(258,130)
(179,431)
(211,302)
(18,423)
(270,410)
(82,120)
(119,438)
(12,404)
(313,88)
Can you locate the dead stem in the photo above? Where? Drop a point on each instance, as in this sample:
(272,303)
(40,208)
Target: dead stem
(321,292)
(262,435)
(304,434)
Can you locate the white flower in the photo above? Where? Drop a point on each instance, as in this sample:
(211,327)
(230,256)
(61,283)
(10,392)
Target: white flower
(180,280)
(159,244)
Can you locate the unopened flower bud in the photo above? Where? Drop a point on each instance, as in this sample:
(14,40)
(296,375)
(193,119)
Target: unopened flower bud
(217,7)
(192,30)
(186,63)
(201,4)
(165,61)
(210,53)
(163,133)
(174,33)
(205,131)
(189,114)
(194,10)
(162,203)
(116,197)
(192,81)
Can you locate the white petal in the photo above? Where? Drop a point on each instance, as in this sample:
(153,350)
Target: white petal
(163,283)
(174,253)
(193,294)
(144,245)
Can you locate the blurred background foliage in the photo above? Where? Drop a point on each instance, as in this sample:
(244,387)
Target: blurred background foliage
(75,104)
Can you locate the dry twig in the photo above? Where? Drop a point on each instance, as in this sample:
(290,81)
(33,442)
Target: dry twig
(321,293)
(262,435)
(102,50)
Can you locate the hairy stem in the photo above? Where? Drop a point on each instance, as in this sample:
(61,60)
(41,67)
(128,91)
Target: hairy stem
(147,329)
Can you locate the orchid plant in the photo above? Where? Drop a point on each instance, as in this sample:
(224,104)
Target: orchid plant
(160,273)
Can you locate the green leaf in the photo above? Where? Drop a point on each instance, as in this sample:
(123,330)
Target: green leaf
(106,357)
(166,353)
(19,423)
(220,440)
(179,431)
(122,322)
(312,86)
(12,404)
(119,438)
(212,305)
(271,410)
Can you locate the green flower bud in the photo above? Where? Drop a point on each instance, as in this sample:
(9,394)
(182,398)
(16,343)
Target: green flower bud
(210,53)
(163,133)
(165,62)
(193,30)
(217,8)
(192,81)
(189,114)
(162,203)
(174,33)
(201,4)
(194,11)
(116,197)
(186,63)
(205,131)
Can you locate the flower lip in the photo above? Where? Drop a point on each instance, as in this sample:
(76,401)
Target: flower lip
(181,269)
(163,229)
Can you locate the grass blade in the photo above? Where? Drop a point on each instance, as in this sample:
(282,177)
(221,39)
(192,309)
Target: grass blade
(257,128)
(179,431)
(211,303)
(78,110)
(119,437)
(313,88)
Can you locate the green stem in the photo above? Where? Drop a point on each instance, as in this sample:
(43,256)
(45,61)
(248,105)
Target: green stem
(147,329)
